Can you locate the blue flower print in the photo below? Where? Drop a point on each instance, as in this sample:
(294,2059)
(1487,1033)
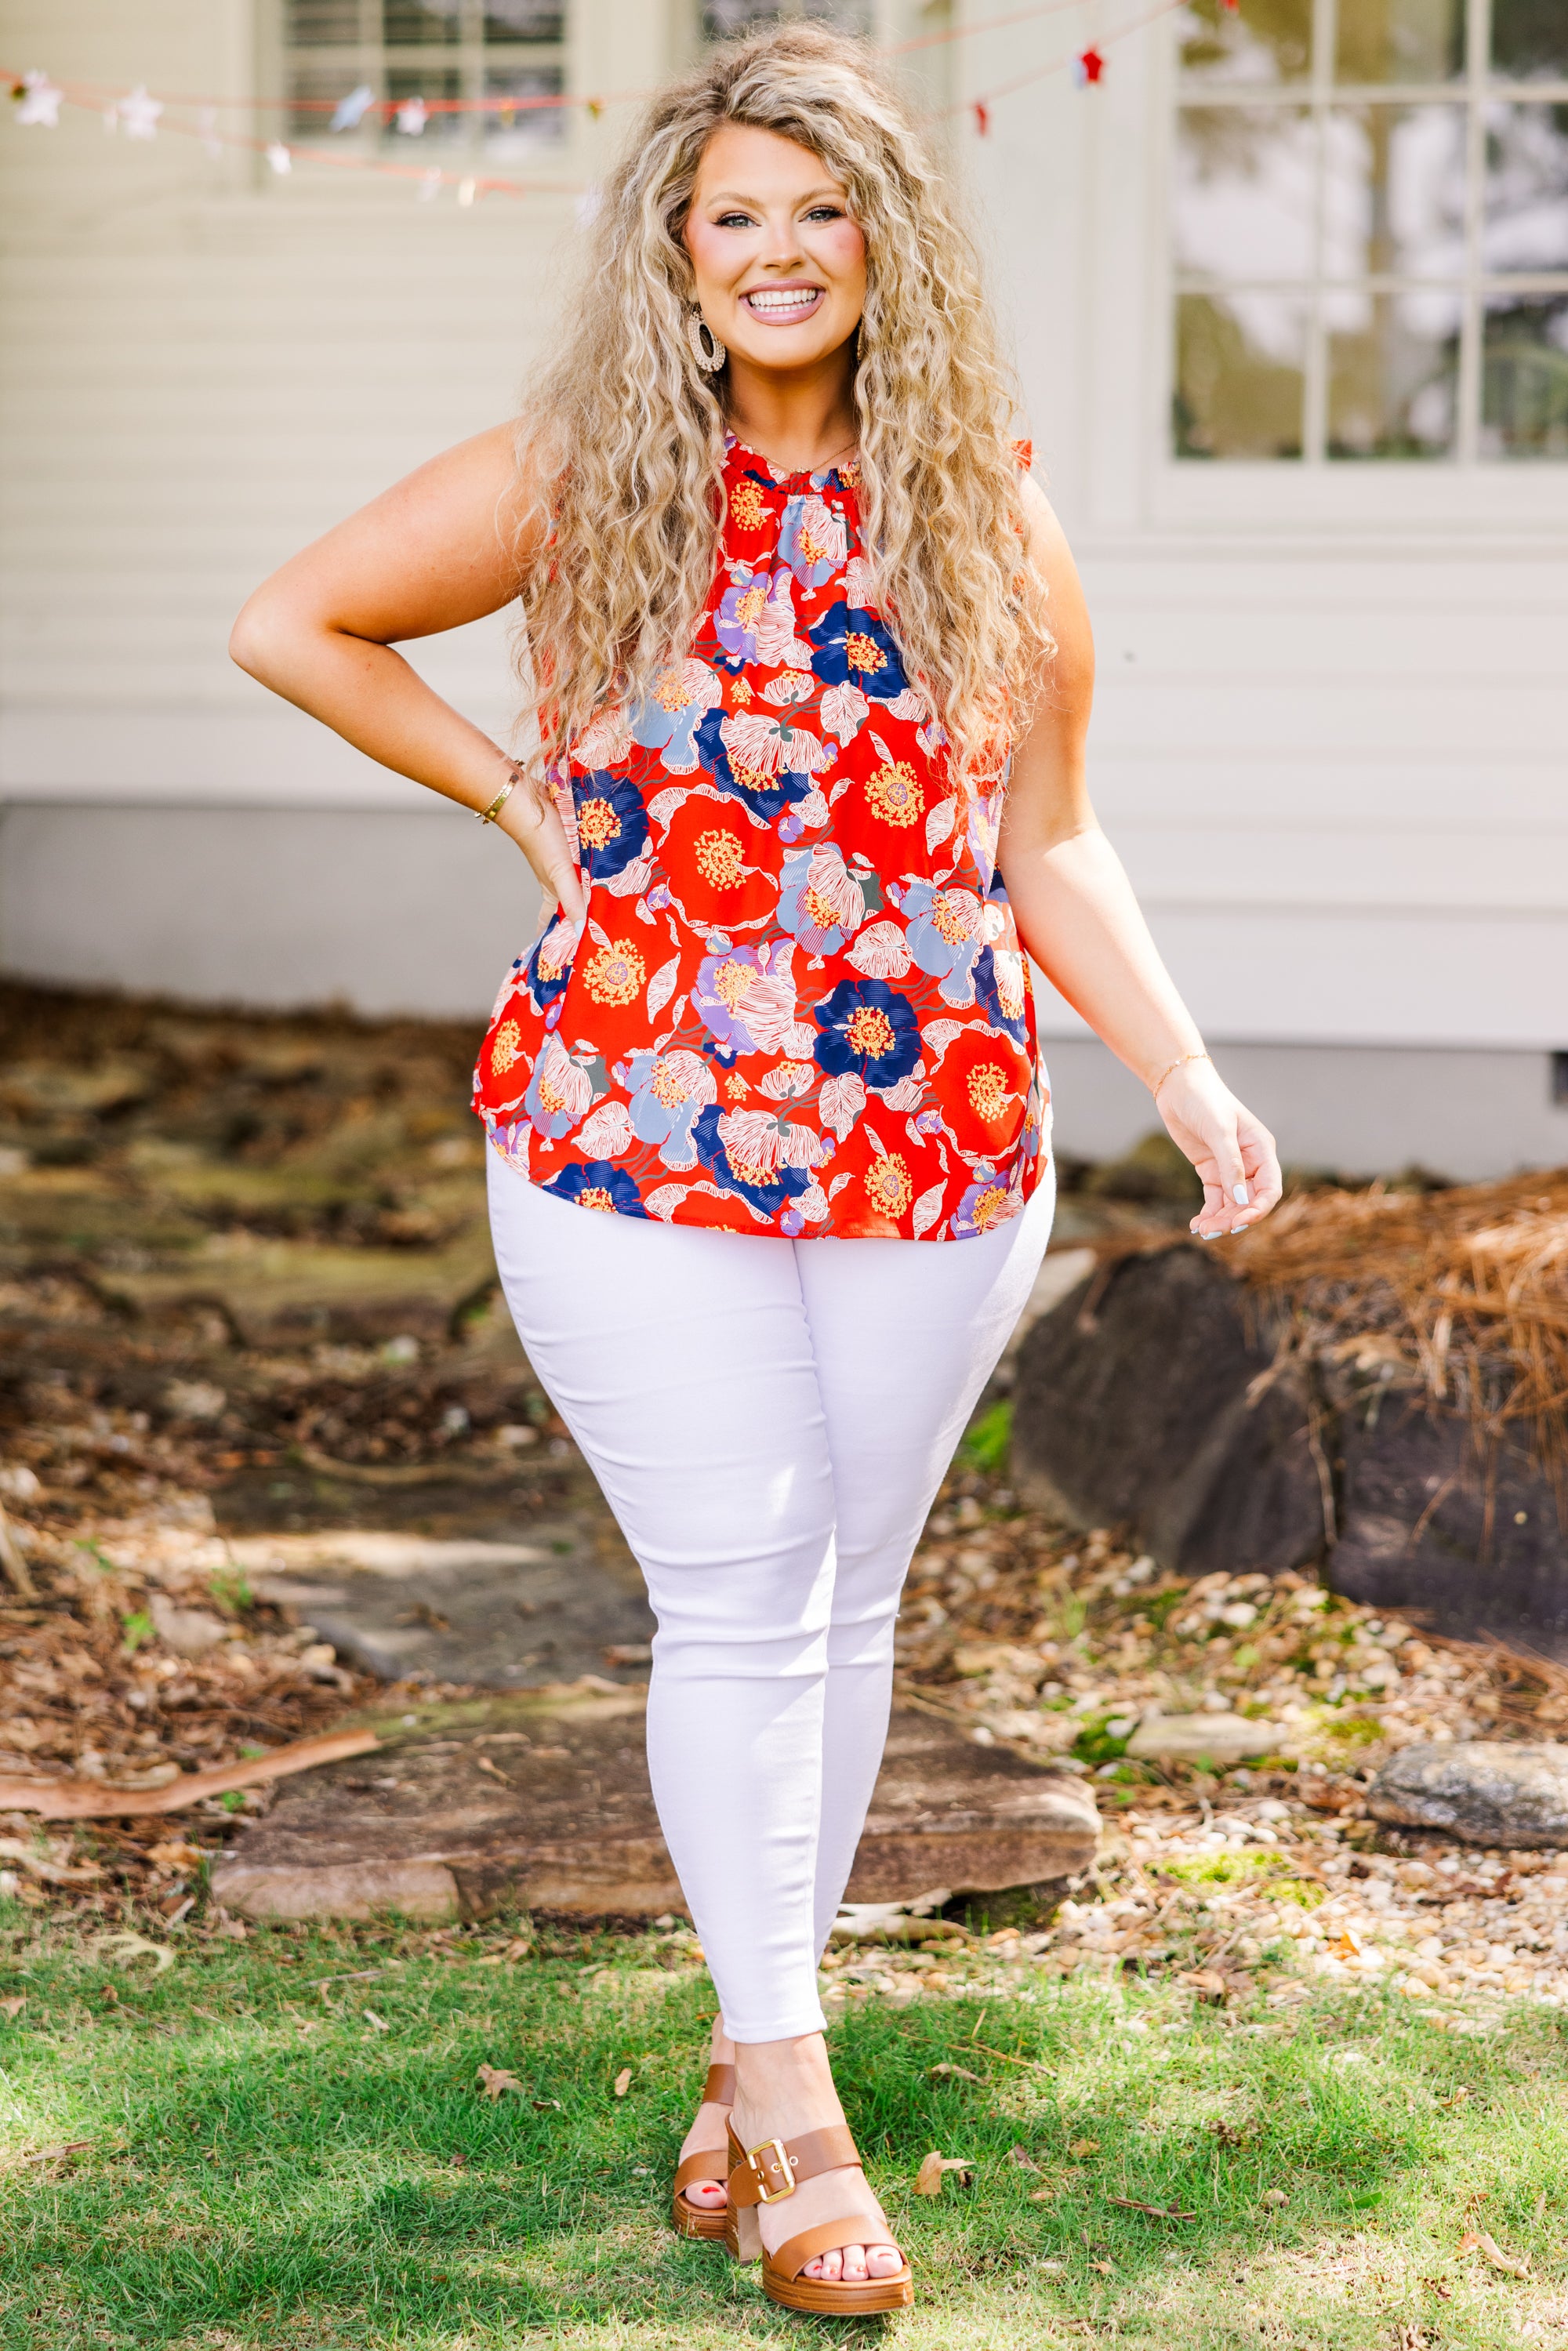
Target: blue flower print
(744,999)
(767,1189)
(767,796)
(560,1091)
(812,540)
(667,1091)
(549,964)
(944,931)
(868,1029)
(611,823)
(854,649)
(599,1185)
(740,610)
(666,719)
(1000,989)
(821,904)
(989,1201)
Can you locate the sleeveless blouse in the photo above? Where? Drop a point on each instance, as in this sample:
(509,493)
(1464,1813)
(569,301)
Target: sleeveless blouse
(798,1005)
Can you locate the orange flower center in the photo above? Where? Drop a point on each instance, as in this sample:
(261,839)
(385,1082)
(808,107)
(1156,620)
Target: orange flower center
(719,859)
(745,506)
(666,1087)
(820,911)
(864,652)
(506,1047)
(871,1032)
(894,793)
(598,823)
(989,1092)
(596,1196)
(991,1209)
(951,914)
(616,973)
(889,1186)
(730,983)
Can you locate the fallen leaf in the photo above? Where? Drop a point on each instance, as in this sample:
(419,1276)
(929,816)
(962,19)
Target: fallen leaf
(377,2023)
(1155,2211)
(623,2081)
(1348,1946)
(933,2168)
(1083,2147)
(1023,2158)
(1103,2267)
(58,2154)
(1274,2196)
(1208,1981)
(957,2072)
(494,2079)
(14,2005)
(121,1948)
(1478,2237)
(53,1873)
(1042,2195)
(494,1770)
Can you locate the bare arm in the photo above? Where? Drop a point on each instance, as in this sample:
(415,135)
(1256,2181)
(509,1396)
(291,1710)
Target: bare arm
(433,552)
(1079,919)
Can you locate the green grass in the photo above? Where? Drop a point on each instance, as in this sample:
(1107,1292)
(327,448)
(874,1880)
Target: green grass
(249,2184)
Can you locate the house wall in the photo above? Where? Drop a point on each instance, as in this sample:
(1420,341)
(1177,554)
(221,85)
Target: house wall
(1329,734)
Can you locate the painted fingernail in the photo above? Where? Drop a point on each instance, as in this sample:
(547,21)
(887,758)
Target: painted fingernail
(1241,1196)
(1238,1229)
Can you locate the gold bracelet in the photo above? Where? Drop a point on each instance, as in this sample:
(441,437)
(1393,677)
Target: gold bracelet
(1180,1062)
(488,816)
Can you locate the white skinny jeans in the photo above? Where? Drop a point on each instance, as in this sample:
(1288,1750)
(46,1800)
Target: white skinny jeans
(769,1420)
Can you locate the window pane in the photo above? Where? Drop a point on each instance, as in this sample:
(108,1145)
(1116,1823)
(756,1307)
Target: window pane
(724,20)
(1273,41)
(1239,374)
(1400,40)
(318,24)
(314,93)
(431,83)
(1393,191)
(414,23)
(523,20)
(1524,377)
(1530,39)
(1526,222)
(1243,197)
(510,133)
(1393,374)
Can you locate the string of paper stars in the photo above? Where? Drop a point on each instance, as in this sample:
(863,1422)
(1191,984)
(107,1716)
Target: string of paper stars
(38,99)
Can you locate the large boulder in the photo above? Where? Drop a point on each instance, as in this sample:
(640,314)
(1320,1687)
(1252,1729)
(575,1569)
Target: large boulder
(1144,1398)
(1152,1397)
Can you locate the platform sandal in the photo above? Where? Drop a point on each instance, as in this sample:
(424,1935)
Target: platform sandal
(769,2173)
(709,2163)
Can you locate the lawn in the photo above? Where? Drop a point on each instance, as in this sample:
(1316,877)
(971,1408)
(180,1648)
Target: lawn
(281,2141)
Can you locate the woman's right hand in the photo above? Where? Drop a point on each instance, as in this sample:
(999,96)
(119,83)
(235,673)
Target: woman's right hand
(530,817)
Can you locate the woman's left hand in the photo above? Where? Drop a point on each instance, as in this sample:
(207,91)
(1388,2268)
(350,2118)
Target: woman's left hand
(1232,1150)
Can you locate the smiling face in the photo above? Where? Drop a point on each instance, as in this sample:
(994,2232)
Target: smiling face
(778,264)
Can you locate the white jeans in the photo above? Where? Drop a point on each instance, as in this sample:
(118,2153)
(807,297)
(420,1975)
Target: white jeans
(770,1421)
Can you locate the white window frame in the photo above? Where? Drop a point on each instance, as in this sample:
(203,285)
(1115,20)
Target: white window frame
(1509,498)
(366,60)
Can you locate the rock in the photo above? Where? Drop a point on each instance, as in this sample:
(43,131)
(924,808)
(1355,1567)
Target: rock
(1480,1790)
(1222,1739)
(1160,1409)
(498,1616)
(187,1631)
(542,1802)
(1471,1542)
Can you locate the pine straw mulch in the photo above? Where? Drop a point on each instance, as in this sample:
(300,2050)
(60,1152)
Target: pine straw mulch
(1462,1291)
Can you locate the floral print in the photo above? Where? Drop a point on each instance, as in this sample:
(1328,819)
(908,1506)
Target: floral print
(798,1005)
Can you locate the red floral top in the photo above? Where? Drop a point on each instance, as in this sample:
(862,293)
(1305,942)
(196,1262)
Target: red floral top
(798,1004)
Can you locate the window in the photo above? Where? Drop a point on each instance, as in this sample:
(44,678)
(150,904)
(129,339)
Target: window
(1370,228)
(724,20)
(417,56)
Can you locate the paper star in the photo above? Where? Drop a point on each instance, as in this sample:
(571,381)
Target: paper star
(38,103)
(139,113)
(351,112)
(281,160)
(412,117)
(1088,67)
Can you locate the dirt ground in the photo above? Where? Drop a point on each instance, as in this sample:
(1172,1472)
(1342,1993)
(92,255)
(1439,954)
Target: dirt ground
(246,1286)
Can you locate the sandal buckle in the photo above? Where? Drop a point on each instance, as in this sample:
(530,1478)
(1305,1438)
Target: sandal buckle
(778,2160)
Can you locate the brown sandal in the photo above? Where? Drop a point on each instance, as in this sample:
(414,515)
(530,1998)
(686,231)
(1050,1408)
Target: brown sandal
(709,2163)
(765,2175)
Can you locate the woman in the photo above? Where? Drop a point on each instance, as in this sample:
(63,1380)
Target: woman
(782,580)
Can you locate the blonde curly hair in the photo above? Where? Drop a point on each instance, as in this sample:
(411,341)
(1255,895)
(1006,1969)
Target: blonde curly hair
(621,447)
